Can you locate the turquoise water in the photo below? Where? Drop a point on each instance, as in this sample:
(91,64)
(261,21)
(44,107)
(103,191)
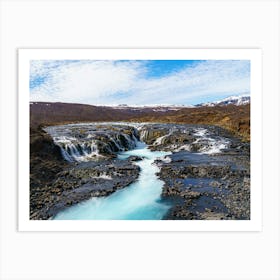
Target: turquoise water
(139,201)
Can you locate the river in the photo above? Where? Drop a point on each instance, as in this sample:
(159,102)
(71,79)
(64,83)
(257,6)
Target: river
(139,201)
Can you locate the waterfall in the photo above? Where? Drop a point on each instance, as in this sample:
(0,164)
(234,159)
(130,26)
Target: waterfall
(210,145)
(76,150)
(141,200)
(90,141)
(85,142)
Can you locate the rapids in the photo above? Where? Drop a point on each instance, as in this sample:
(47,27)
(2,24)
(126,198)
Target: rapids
(139,201)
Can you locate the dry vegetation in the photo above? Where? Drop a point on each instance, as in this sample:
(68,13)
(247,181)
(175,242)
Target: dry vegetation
(236,119)
(233,118)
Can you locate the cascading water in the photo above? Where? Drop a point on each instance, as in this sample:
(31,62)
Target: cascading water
(139,201)
(86,142)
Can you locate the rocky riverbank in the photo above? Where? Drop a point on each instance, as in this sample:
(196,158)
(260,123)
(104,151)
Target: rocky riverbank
(204,188)
(80,182)
(46,162)
(207,176)
(56,183)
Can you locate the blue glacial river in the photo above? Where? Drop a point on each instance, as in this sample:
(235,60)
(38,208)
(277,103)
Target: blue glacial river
(139,201)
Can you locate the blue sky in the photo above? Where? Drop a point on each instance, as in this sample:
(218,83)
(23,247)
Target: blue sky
(138,82)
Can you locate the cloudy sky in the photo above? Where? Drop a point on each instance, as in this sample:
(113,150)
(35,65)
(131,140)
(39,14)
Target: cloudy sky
(137,82)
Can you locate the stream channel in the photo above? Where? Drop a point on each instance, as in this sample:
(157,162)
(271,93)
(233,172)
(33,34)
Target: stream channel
(139,201)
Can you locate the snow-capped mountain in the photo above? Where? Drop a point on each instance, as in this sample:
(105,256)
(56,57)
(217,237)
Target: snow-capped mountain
(231,100)
(153,107)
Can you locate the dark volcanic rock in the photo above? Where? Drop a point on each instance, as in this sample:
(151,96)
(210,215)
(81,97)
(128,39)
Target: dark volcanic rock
(206,186)
(56,183)
(207,176)
(150,133)
(135,158)
(45,163)
(86,142)
(81,182)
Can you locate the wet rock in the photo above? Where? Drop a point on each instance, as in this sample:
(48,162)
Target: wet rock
(180,213)
(86,180)
(206,177)
(226,194)
(92,141)
(190,194)
(149,133)
(135,158)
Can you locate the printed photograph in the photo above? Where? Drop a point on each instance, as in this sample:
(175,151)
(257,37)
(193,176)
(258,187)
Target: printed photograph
(139,139)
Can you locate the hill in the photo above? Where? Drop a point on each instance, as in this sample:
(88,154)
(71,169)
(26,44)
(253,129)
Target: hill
(232,117)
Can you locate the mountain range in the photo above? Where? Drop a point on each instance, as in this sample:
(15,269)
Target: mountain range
(237,100)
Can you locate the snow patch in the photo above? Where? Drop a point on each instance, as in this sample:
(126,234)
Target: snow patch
(234,100)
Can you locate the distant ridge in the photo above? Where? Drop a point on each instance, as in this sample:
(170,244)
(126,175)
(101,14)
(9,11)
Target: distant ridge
(229,113)
(237,100)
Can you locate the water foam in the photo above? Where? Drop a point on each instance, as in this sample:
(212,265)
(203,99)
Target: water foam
(81,142)
(210,145)
(139,201)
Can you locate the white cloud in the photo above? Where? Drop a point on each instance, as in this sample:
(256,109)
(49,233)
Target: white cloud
(114,82)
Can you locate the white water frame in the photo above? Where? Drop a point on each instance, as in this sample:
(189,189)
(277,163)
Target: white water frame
(254,224)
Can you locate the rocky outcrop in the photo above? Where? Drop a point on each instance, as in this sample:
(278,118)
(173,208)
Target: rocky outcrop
(150,133)
(206,187)
(61,177)
(81,182)
(208,174)
(45,163)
